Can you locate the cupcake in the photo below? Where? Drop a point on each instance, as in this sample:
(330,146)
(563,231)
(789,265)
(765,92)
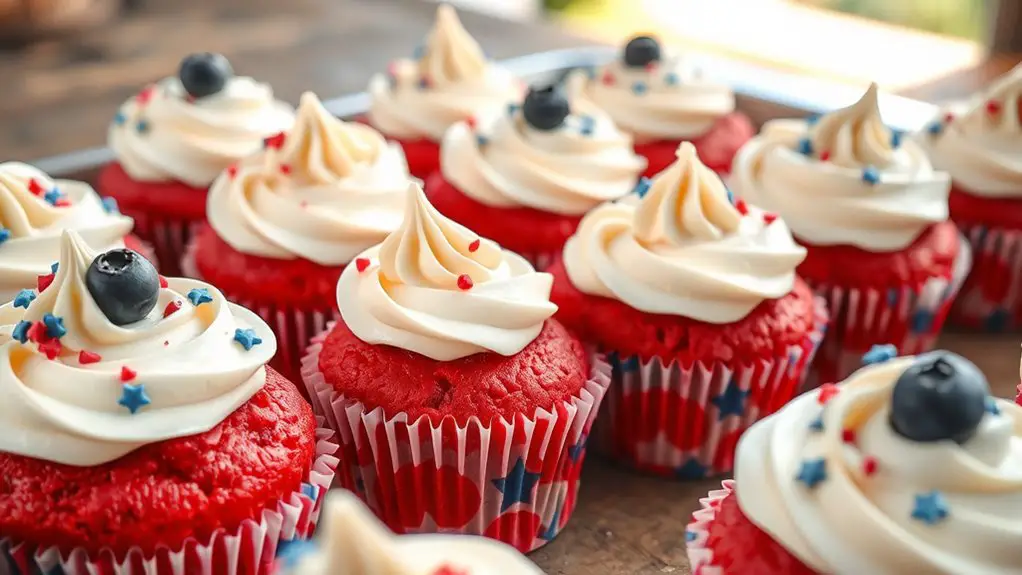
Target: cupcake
(448,80)
(873,215)
(697,305)
(976,142)
(284,223)
(34,212)
(909,466)
(526,176)
(353,542)
(461,407)
(663,100)
(174,137)
(140,431)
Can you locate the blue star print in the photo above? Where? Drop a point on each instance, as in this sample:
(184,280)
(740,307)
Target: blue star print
(20,331)
(922,320)
(247,338)
(517,486)
(550,532)
(24,297)
(623,365)
(930,508)
(812,472)
(134,397)
(310,491)
(692,469)
(731,402)
(54,326)
(575,451)
(199,296)
(879,353)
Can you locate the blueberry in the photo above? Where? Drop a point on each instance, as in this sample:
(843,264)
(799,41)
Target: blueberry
(545,108)
(940,396)
(641,51)
(204,74)
(124,285)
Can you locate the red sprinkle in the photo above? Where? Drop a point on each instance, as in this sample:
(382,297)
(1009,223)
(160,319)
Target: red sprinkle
(824,155)
(769,218)
(361,264)
(303,203)
(37,333)
(465,282)
(741,206)
(163,282)
(51,348)
(145,95)
(651,66)
(848,435)
(869,465)
(608,78)
(471,122)
(62,203)
(276,141)
(948,118)
(285,169)
(827,392)
(43,282)
(474,246)
(35,187)
(232,171)
(448,570)
(171,308)
(127,374)
(87,357)
(993,107)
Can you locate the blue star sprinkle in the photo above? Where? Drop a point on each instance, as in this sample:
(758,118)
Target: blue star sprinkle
(517,486)
(730,196)
(551,531)
(291,551)
(690,536)
(692,469)
(805,146)
(816,424)
(812,472)
(133,397)
(880,353)
(732,401)
(5,234)
(586,125)
(54,326)
(120,118)
(935,128)
(110,206)
(24,297)
(512,109)
(671,79)
(481,140)
(870,175)
(896,136)
(639,88)
(930,508)
(199,296)
(812,119)
(53,196)
(20,331)
(247,338)
(642,187)
(54,267)
(991,406)
(142,126)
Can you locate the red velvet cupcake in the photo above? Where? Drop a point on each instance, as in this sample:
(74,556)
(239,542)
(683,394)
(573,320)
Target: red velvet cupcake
(907,467)
(461,407)
(698,307)
(663,100)
(34,212)
(285,222)
(525,177)
(448,80)
(873,214)
(140,431)
(976,142)
(174,137)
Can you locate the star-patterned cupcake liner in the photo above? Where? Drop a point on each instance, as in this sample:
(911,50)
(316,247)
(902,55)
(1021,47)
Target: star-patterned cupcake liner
(248,550)
(910,318)
(991,299)
(684,421)
(514,481)
(700,557)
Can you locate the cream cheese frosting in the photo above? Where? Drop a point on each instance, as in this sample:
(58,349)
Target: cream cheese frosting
(186,370)
(353,542)
(324,191)
(873,501)
(163,135)
(684,248)
(435,288)
(667,100)
(844,178)
(34,212)
(449,80)
(502,161)
(979,141)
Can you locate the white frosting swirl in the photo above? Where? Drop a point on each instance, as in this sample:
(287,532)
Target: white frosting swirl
(436,288)
(853,522)
(354,542)
(32,224)
(331,191)
(503,162)
(683,249)
(450,81)
(817,175)
(192,370)
(981,145)
(162,135)
(666,101)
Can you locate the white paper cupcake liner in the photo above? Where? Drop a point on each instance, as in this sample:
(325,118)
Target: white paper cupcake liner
(513,481)
(910,318)
(700,557)
(684,422)
(248,550)
(991,299)
(168,238)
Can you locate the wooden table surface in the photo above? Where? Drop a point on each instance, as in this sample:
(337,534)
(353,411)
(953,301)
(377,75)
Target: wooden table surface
(59,97)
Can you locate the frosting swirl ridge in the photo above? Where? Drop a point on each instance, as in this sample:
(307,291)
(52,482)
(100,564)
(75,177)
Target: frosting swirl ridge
(843,179)
(435,288)
(684,249)
(64,387)
(324,191)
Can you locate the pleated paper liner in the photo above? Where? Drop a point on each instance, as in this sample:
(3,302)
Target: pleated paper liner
(910,318)
(514,481)
(991,298)
(700,557)
(168,237)
(684,422)
(248,550)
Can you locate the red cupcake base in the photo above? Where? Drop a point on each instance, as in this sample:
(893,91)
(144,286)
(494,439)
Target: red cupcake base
(716,148)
